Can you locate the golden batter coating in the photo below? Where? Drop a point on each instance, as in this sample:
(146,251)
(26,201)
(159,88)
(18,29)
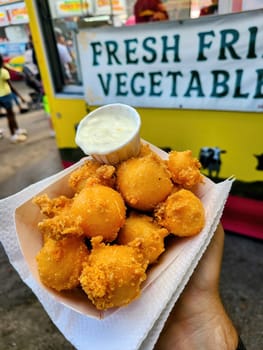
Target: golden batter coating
(185,169)
(58,221)
(113,274)
(92,172)
(60,262)
(182,214)
(145,150)
(148,231)
(144,181)
(101,211)
(51,207)
(60,225)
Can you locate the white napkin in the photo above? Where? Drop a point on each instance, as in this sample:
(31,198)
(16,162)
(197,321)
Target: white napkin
(137,326)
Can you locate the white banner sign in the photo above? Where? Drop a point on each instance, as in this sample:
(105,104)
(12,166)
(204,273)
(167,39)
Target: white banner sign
(208,63)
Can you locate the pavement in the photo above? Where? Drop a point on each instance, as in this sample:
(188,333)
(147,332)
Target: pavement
(24,324)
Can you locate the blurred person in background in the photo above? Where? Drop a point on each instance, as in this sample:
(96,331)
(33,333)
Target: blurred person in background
(6,101)
(34,57)
(210,10)
(23,108)
(65,56)
(32,75)
(150,11)
(31,71)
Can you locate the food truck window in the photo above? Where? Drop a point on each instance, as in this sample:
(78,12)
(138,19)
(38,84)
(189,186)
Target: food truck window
(59,24)
(143,11)
(61,20)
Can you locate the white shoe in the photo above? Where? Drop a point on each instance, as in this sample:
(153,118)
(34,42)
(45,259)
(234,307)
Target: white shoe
(18,138)
(21,132)
(52,133)
(1,133)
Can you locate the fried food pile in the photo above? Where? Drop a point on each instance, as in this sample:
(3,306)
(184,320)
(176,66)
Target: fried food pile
(104,238)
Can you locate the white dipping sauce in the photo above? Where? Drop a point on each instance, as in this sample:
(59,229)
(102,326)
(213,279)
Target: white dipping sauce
(104,132)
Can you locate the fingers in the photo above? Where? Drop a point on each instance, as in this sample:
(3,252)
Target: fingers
(207,274)
(201,293)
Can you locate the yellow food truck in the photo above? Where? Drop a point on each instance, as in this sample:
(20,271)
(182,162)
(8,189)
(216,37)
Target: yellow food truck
(195,77)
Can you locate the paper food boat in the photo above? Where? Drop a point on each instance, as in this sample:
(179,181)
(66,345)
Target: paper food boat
(27,216)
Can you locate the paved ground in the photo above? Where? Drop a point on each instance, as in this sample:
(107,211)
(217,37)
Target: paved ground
(24,325)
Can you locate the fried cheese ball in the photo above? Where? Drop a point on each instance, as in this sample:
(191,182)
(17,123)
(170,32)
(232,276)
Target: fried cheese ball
(143,227)
(91,172)
(60,262)
(182,214)
(101,211)
(185,169)
(113,274)
(144,181)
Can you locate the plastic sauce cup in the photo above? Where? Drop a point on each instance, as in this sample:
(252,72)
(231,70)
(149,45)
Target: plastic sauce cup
(110,134)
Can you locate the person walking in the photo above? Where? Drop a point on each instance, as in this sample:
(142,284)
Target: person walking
(6,101)
(64,56)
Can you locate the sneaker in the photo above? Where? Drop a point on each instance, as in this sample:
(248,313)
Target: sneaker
(18,138)
(21,132)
